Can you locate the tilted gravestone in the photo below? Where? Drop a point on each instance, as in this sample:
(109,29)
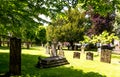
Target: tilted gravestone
(89,56)
(15,56)
(60,51)
(53,51)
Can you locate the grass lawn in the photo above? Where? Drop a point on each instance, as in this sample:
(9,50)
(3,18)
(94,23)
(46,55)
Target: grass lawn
(77,67)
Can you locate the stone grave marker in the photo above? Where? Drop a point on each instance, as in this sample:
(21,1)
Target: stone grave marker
(89,56)
(106,55)
(76,55)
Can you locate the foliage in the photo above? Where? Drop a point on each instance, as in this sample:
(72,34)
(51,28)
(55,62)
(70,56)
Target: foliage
(16,15)
(100,24)
(104,38)
(13,15)
(50,33)
(102,7)
(69,27)
(41,34)
(102,14)
(117,24)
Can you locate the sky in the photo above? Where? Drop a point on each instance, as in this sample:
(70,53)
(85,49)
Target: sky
(45,18)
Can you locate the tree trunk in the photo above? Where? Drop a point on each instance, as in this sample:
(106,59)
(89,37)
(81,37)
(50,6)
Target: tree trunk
(0,42)
(71,44)
(3,42)
(28,45)
(8,43)
(15,56)
(31,44)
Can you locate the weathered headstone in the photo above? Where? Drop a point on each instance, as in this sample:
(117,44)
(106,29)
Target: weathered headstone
(76,55)
(106,55)
(117,45)
(48,50)
(61,53)
(56,58)
(53,51)
(83,49)
(75,47)
(89,56)
(15,56)
(51,62)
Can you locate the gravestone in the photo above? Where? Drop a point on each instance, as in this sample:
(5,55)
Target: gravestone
(117,45)
(106,55)
(89,56)
(60,51)
(75,47)
(15,56)
(47,49)
(56,58)
(83,49)
(51,62)
(76,55)
(53,51)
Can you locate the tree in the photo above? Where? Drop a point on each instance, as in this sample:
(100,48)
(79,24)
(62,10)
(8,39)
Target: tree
(28,36)
(117,24)
(102,14)
(41,35)
(16,13)
(69,27)
(105,38)
(3,31)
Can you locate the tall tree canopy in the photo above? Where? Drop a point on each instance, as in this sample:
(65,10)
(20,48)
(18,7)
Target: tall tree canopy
(17,14)
(102,14)
(69,27)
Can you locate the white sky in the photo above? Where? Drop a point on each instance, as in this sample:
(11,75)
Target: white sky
(45,18)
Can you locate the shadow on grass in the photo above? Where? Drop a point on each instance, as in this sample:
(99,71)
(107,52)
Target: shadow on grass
(31,48)
(4,47)
(4,63)
(29,69)
(62,71)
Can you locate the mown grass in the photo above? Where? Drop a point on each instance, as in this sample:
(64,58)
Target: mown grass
(77,67)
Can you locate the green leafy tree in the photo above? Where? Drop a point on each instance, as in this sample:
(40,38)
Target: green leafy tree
(105,38)
(102,14)
(18,14)
(28,36)
(117,24)
(69,27)
(41,35)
